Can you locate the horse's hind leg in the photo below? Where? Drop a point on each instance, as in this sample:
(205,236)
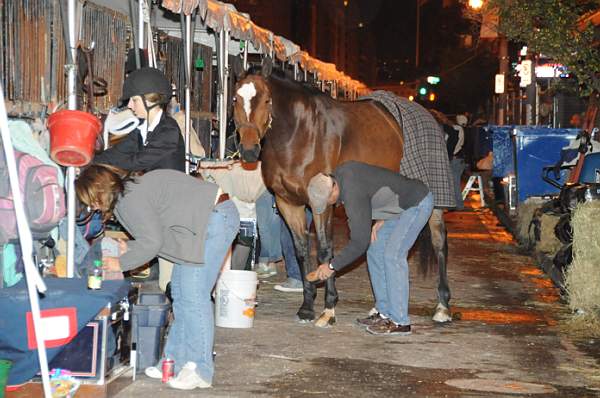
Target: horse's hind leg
(296,220)
(439,240)
(324,228)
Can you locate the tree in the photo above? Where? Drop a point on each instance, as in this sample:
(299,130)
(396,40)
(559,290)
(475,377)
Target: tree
(551,27)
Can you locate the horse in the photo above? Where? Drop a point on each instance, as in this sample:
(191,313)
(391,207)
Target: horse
(297,132)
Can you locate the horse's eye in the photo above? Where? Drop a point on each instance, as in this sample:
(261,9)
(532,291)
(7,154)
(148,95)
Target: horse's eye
(234,99)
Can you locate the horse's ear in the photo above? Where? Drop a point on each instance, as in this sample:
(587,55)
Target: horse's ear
(238,68)
(267,67)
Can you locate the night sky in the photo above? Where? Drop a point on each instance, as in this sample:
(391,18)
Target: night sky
(394,26)
(382,36)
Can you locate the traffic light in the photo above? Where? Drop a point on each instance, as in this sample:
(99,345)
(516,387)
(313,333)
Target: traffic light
(431,97)
(422,90)
(433,80)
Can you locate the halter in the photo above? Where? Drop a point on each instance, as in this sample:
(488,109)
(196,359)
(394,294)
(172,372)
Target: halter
(254,127)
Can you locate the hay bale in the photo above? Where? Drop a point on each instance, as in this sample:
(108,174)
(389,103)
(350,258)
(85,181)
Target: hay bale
(582,279)
(581,326)
(524,216)
(548,243)
(529,209)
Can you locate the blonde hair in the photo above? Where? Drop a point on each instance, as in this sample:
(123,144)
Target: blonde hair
(100,185)
(156,98)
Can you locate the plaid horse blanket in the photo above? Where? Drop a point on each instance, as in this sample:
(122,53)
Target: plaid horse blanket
(425,156)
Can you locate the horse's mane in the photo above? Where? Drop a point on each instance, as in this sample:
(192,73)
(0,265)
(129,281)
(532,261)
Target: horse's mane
(282,78)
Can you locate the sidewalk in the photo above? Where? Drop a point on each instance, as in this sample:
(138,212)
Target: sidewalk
(506,337)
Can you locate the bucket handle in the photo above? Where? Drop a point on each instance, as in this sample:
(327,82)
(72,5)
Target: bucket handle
(250,301)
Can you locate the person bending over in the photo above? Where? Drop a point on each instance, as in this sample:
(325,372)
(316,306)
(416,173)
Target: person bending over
(174,216)
(399,207)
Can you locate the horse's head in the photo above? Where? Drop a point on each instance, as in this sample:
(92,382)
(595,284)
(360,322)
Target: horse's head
(252,109)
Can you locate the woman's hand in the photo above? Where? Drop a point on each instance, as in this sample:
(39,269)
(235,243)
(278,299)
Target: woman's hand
(378,224)
(122,246)
(111,264)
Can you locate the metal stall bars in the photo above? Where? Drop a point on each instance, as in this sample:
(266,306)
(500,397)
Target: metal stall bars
(73,28)
(222,94)
(188,84)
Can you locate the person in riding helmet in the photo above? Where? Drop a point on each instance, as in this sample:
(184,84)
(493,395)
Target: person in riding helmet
(157,142)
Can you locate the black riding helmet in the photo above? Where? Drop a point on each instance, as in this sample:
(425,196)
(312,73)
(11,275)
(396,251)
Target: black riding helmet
(146,81)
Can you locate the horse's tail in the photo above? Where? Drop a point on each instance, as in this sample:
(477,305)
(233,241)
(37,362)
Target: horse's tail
(427,260)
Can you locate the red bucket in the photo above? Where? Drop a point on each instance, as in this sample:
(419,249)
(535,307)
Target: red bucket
(73,137)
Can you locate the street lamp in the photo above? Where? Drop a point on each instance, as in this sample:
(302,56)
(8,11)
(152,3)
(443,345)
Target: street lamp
(476,4)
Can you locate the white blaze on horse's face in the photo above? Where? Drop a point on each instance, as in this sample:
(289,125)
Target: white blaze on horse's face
(247,92)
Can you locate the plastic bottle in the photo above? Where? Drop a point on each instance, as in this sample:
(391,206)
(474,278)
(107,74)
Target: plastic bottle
(95,277)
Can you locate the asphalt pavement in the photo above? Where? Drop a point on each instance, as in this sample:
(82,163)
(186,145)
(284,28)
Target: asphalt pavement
(507,337)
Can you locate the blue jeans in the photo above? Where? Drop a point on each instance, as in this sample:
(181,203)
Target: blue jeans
(387,263)
(289,250)
(457,165)
(268,222)
(191,336)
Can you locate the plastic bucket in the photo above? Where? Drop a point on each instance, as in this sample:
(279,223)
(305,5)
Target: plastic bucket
(235,299)
(5,366)
(72,137)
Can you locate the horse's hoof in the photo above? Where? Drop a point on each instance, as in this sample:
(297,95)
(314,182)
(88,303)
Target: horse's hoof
(326,319)
(303,321)
(305,316)
(442,314)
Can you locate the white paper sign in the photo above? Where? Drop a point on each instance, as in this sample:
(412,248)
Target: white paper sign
(499,86)
(55,327)
(525,73)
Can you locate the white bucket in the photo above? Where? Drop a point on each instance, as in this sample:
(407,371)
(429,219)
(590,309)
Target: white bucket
(235,299)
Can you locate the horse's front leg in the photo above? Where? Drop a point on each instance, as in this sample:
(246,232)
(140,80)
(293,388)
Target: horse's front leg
(295,218)
(324,228)
(439,240)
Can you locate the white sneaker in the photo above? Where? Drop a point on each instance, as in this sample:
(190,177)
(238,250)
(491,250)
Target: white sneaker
(290,286)
(153,372)
(188,379)
(264,270)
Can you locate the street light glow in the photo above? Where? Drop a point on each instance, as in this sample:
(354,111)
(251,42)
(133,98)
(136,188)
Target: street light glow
(476,4)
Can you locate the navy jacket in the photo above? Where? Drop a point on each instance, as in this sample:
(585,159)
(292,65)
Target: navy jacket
(164,149)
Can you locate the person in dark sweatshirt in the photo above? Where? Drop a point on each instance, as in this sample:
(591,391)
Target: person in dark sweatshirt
(386,211)
(157,142)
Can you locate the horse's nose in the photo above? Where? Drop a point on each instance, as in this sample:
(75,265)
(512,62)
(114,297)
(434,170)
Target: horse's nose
(250,155)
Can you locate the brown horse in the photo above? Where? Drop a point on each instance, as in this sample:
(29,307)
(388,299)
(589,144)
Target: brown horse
(298,132)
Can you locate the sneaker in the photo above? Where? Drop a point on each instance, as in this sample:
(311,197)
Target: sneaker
(264,270)
(188,379)
(153,372)
(372,319)
(389,328)
(291,285)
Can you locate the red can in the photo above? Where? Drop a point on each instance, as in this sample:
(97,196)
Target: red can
(168,369)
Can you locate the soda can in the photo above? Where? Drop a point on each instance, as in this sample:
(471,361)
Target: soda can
(168,369)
